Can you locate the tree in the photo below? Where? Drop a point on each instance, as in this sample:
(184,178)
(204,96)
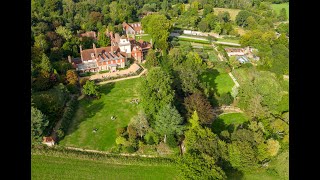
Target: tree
(41,42)
(72,77)
(103,40)
(212,20)
(224,17)
(64,32)
(91,89)
(45,64)
(273,147)
(156,91)
(151,59)
(199,166)
(203,107)
(158,26)
(168,122)
(252,24)
(207,8)
(283,15)
(241,18)
(217,29)
(140,123)
(39,122)
(283,28)
(203,25)
(242,156)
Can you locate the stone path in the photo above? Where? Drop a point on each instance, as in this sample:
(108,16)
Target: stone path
(133,68)
(121,79)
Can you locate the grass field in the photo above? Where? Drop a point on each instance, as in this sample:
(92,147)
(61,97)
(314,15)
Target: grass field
(115,101)
(278,7)
(228,40)
(145,37)
(233,12)
(220,82)
(52,167)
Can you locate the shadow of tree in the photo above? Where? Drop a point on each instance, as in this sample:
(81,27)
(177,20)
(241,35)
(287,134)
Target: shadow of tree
(88,107)
(218,125)
(208,79)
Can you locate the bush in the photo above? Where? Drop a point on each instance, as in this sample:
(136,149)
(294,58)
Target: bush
(120,131)
(130,149)
(72,88)
(151,138)
(225,99)
(172,141)
(83,81)
(67,116)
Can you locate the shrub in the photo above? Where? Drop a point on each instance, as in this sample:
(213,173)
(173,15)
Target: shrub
(172,141)
(130,149)
(83,81)
(225,99)
(151,138)
(120,131)
(67,116)
(105,71)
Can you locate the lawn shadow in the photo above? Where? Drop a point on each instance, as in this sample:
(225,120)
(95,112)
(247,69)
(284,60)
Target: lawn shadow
(208,78)
(106,88)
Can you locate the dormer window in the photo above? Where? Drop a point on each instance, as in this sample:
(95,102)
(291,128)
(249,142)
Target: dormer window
(92,55)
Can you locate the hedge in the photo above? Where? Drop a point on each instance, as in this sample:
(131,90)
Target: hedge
(67,116)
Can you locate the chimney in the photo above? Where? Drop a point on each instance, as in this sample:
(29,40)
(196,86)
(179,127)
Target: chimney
(95,50)
(81,53)
(69,59)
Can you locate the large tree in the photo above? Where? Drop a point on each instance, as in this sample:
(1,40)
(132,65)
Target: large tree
(151,59)
(38,123)
(158,26)
(203,107)
(199,166)
(156,91)
(168,122)
(91,89)
(140,123)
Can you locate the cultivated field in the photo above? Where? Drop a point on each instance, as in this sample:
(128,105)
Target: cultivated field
(115,101)
(233,12)
(278,7)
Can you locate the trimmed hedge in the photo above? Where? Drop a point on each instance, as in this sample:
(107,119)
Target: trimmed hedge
(67,116)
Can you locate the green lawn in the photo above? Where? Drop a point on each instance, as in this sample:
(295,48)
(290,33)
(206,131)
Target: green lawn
(228,40)
(235,118)
(145,37)
(278,7)
(222,122)
(220,82)
(52,167)
(194,40)
(115,101)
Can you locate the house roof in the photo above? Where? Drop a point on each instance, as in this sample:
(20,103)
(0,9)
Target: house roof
(48,139)
(91,34)
(135,26)
(86,54)
(234,49)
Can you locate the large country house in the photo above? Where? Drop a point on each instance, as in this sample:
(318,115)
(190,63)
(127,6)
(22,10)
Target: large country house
(111,57)
(132,28)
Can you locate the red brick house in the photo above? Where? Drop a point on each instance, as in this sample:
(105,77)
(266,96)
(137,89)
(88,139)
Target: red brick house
(132,28)
(99,59)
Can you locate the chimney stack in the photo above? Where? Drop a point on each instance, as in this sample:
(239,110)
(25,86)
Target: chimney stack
(95,50)
(81,53)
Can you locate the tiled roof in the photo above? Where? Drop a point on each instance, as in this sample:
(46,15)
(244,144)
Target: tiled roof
(86,54)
